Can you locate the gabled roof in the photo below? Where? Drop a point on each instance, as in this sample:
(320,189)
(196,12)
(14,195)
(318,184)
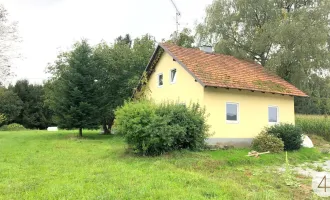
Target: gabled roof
(217,70)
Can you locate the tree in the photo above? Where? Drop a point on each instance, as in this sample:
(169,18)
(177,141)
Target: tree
(120,68)
(8,39)
(11,104)
(143,49)
(183,39)
(319,101)
(34,113)
(72,92)
(126,40)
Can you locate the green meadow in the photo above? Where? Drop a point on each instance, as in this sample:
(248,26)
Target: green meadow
(57,165)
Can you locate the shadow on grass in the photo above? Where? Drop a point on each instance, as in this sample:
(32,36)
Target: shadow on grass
(69,135)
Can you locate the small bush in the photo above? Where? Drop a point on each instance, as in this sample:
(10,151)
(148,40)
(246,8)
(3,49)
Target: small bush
(12,127)
(152,129)
(289,133)
(265,142)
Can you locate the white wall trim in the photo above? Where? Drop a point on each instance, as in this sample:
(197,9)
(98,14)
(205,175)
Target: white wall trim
(278,114)
(160,86)
(238,114)
(176,74)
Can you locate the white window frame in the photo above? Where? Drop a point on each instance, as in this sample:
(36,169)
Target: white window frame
(278,114)
(158,75)
(176,74)
(230,121)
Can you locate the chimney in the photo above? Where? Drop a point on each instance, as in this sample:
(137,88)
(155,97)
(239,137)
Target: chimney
(206,49)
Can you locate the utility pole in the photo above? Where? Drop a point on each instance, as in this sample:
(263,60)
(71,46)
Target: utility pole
(178,14)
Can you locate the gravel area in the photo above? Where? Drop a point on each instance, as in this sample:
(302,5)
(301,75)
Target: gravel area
(310,169)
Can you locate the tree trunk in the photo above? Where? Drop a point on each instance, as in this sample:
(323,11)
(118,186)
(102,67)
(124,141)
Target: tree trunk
(80,132)
(106,130)
(110,123)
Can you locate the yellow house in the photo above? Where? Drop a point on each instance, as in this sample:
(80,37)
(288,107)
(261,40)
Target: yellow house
(240,96)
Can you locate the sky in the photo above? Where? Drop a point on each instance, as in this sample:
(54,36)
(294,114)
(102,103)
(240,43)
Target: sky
(48,27)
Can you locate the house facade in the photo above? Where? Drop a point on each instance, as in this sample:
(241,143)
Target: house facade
(241,97)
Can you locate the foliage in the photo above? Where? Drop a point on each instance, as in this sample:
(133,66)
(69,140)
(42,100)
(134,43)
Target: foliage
(3,119)
(97,167)
(265,142)
(124,40)
(191,119)
(183,38)
(72,93)
(290,134)
(153,129)
(318,87)
(12,127)
(143,91)
(289,38)
(314,124)
(34,114)
(11,104)
(8,42)
(120,67)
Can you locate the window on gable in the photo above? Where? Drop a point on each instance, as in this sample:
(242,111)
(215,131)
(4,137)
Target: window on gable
(232,112)
(173,75)
(160,80)
(273,114)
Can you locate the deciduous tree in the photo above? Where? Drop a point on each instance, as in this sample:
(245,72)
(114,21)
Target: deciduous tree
(8,41)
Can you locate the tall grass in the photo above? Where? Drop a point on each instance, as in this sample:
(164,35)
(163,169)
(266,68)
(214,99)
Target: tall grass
(315,124)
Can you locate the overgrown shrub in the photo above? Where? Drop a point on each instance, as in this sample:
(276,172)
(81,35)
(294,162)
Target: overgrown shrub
(289,133)
(12,127)
(265,142)
(152,129)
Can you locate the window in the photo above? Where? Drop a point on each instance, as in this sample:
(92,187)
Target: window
(232,112)
(160,80)
(273,114)
(173,76)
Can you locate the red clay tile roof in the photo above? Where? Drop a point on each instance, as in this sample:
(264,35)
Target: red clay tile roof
(225,71)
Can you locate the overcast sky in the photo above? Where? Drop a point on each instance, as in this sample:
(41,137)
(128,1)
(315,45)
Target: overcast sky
(49,26)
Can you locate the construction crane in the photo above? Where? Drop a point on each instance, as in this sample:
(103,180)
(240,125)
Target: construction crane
(178,14)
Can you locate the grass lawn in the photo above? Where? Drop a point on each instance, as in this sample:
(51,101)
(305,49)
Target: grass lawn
(45,165)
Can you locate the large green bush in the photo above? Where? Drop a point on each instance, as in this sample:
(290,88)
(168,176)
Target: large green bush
(265,142)
(153,129)
(12,127)
(289,133)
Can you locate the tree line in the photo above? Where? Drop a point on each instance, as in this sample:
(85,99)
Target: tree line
(24,103)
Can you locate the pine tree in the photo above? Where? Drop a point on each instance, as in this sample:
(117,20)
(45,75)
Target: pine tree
(73,93)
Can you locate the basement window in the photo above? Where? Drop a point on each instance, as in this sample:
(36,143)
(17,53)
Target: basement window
(172,76)
(160,80)
(232,110)
(272,114)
